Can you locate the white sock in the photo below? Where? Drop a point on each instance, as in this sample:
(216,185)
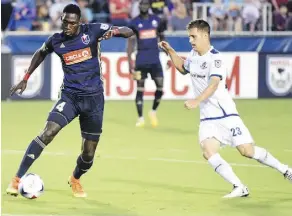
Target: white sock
(264,157)
(224,169)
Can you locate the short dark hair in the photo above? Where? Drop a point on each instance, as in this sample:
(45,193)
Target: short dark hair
(201,25)
(72,8)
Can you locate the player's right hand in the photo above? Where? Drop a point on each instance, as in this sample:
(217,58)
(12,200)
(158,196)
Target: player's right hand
(136,75)
(165,46)
(20,86)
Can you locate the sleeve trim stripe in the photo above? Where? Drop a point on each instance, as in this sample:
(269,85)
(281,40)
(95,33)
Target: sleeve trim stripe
(185,70)
(217,75)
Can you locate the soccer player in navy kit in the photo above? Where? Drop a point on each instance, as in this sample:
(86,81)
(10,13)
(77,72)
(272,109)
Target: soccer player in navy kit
(148,31)
(81,93)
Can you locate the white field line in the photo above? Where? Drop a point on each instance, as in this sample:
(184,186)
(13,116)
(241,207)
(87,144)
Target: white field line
(168,160)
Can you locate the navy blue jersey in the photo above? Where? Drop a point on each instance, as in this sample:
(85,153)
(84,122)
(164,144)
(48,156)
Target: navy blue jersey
(80,57)
(146,31)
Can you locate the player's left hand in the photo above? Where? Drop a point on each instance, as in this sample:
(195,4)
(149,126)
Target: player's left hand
(137,75)
(192,104)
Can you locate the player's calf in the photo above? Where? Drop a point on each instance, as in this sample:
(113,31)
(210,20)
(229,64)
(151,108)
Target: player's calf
(262,156)
(210,148)
(85,159)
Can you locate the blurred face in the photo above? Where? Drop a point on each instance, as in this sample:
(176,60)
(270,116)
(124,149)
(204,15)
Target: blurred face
(70,23)
(144,6)
(198,39)
(283,10)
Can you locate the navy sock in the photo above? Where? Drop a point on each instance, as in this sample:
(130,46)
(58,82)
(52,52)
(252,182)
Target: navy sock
(81,167)
(33,151)
(156,102)
(139,103)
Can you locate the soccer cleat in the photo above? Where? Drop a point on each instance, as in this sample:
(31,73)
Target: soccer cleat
(238,191)
(153,119)
(140,122)
(288,174)
(13,186)
(76,187)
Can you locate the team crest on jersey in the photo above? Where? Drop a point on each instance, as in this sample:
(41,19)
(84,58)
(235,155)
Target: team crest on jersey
(218,63)
(140,25)
(85,39)
(154,23)
(279,75)
(204,65)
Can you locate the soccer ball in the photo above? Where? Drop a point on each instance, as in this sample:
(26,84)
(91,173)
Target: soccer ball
(31,186)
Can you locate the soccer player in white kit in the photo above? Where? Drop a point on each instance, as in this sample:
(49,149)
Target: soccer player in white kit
(220,123)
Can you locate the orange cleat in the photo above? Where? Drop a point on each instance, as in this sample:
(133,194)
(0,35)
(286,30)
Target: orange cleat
(13,186)
(76,187)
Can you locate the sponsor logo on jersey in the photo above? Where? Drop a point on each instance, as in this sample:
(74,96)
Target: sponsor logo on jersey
(147,34)
(77,56)
(154,23)
(279,75)
(85,39)
(198,76)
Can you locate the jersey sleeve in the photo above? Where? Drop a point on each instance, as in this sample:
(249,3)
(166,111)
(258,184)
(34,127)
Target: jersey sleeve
(100,28)
(186,65)
(217,68)
(48,45)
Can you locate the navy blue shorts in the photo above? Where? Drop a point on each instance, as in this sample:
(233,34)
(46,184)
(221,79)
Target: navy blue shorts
(155,70)
(88,108)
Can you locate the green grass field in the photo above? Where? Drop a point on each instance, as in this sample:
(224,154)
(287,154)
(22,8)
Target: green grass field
(148,172)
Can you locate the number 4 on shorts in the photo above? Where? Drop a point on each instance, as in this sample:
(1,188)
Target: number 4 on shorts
(60,107)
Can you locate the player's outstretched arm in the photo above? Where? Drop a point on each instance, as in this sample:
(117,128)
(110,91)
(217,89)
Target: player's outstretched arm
(37,58)
(116,31)
(130,50)
(177,61)
(123,31)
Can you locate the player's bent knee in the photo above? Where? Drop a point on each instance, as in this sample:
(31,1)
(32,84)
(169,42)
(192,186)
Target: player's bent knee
(246,150)
(210,147)
(50,131)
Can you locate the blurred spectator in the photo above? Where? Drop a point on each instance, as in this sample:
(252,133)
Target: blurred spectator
(6,11)
(119,12)
(250,15)
(280,18)
(24,13)
(86,13)
(42,21)
(277,3)
(234,14)
(100,9)
(179,18)
(289,18)
(218,16)
(135,9)
(56,11)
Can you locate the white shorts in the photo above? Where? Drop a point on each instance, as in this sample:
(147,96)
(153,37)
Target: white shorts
(229,131)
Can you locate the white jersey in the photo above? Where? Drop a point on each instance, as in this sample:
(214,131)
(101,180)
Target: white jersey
(201,68)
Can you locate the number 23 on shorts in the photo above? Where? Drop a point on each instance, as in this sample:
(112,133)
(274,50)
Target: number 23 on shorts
(235,131)
(60,106)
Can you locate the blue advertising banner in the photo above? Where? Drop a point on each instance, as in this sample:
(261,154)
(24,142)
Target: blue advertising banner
(275,75)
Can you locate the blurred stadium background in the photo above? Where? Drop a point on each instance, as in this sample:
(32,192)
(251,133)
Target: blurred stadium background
(147,171)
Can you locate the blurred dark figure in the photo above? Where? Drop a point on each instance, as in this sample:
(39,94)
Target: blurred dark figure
(6,11)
